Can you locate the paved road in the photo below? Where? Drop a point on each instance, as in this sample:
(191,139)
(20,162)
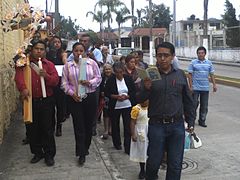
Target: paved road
(217,159)
(220,69)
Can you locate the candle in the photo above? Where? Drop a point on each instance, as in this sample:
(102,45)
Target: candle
(42,79)
(79,75)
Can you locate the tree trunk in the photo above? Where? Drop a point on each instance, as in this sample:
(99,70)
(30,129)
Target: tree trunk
(119,36)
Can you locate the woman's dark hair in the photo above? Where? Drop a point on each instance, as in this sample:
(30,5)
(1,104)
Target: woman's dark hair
(61,50)
(129,57)
(57,37)
(77,44)
(202,48)
(167,45)
(122,58)
(140,53)
(118,65)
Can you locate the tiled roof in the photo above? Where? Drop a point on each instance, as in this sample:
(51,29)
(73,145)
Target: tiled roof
(106,35)
(146,31)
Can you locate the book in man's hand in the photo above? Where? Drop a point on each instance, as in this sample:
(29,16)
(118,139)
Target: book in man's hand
(151,72)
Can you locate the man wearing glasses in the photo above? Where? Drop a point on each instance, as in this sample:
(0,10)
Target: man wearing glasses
(170,103)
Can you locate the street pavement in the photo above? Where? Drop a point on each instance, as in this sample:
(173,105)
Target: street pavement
(217,159)
(227,69)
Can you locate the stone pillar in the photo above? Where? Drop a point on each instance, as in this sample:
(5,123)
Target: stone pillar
(140,43)
(211,40)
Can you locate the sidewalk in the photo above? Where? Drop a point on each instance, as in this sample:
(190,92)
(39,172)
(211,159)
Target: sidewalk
(217,159)
(15,158)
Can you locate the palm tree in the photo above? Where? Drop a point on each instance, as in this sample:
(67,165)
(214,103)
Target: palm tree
(121,18)
(139,16)
(98,17)
(205,30)
(111,7)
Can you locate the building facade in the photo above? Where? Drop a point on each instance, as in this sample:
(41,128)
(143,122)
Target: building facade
(190,33)
(9,42)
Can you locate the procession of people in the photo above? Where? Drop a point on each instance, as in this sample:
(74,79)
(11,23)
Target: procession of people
(90,85)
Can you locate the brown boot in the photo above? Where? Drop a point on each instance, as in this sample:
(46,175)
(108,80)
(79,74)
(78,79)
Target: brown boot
(59,130)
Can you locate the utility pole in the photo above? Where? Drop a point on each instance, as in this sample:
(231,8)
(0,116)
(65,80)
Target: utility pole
(174,23)
(150,38)
(46,11)
(205,29)
(56,14)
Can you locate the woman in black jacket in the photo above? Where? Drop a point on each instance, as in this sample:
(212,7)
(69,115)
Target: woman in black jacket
(120,90)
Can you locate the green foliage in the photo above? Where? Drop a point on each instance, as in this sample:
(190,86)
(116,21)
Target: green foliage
(111,7)
(69,29)
(160,14)
(139,17)
(230,20)
(93,36)
(98,17)
(122,15)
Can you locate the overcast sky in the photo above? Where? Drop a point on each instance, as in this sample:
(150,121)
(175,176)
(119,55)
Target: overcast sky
(77,9)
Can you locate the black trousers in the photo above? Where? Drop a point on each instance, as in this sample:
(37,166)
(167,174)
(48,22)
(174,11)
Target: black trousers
(94,128)
(61,105)
(115,118)
(83,114)
(40,132)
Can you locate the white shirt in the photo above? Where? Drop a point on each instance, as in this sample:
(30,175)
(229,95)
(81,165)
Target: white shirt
(122,89)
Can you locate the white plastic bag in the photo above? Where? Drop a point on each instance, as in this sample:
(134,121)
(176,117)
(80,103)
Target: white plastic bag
(195,141)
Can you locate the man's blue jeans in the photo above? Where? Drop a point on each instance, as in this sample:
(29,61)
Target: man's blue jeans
(203,96)
(165,137)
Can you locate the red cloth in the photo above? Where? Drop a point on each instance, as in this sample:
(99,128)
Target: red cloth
(51,80)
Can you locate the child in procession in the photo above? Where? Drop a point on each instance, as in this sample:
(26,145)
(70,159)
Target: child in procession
(139,140)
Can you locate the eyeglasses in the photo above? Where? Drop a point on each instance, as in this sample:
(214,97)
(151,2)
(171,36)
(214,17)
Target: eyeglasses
(83,40)
(164,55)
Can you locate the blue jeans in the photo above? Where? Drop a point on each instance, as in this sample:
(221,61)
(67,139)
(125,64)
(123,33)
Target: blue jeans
(169,138)
(203,95)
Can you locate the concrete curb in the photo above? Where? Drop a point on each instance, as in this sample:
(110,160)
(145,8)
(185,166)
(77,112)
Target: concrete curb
(227,82)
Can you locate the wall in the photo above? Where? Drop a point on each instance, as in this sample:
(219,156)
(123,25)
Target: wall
(9,42)
(217,55)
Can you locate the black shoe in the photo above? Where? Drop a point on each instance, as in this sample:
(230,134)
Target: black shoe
(141,175)
(81,160)
(36,158)
(118,147)
(25,141)
(59,130)
(127,152)
(202,124)
(49,161)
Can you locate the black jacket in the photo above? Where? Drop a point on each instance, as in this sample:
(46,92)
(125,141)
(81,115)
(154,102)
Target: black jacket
(169,97)
(111,88)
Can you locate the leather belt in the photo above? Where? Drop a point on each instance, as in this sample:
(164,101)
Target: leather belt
(165,120)
(41,99)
